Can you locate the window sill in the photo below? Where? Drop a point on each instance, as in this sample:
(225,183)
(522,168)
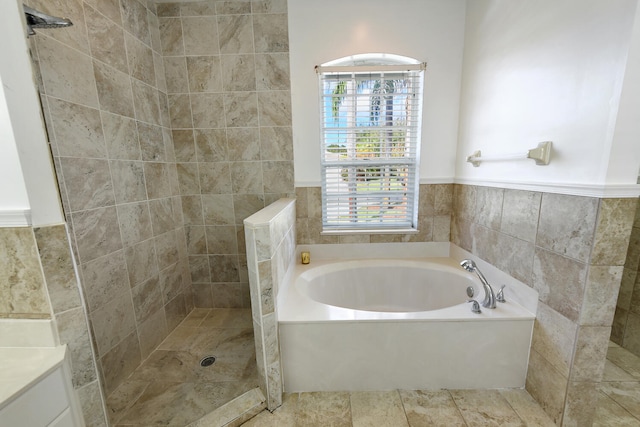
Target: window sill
(342,232)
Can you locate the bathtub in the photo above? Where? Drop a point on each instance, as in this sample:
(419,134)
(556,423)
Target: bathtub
(384,317)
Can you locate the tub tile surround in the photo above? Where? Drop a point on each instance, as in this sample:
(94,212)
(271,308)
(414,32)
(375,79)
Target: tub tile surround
(571,250)
(227,75)
(434,218)
(271,249)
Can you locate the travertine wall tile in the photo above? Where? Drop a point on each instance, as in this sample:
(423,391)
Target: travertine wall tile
(78,129)
(114,90)
(74,36)
(572,238)
(580,408)
(121,137)
(547,386)
(106,39)
(520,214)
(601,292)
(66,73)
(590,353)
(58,268)
(613,231)
(489,203)
(104,90)
(22,286)
(560,282)
(570,249)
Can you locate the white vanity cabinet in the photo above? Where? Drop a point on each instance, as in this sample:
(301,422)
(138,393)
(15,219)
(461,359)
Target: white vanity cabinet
(39,394)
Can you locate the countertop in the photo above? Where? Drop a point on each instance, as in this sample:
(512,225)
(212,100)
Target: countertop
(21,367)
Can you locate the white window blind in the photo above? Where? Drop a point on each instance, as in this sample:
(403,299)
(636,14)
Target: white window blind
(371,118)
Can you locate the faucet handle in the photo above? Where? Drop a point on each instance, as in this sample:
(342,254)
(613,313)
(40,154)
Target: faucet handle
(475,306)
(500,294)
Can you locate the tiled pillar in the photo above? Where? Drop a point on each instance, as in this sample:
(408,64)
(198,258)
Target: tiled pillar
(571,250)
(270,241)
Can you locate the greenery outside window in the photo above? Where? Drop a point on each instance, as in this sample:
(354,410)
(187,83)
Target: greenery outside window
(371,115)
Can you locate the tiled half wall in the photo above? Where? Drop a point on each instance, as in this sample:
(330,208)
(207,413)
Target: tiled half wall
(271,246)
(572,250)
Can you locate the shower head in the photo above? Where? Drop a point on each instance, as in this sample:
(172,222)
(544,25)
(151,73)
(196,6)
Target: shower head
(468,265)
(36,19)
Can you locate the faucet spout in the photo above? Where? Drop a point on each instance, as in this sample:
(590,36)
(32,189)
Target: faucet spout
(489,300)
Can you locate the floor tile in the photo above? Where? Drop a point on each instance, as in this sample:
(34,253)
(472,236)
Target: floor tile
(626,394)
(431,408)
(527,408)
(625,360)
(485,408)
(124,397)
(611,414)
(178,404)
(377,409)
(172,388)
(228,318)
(179,339)
(284,416)
(614,373)
(321,409)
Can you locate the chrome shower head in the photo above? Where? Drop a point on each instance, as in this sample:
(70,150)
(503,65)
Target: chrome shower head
(468,265)
(36,19)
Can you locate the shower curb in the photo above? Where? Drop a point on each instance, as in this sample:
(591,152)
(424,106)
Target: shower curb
(235,412)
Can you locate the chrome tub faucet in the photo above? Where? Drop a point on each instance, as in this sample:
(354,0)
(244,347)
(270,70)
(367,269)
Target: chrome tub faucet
(489,300)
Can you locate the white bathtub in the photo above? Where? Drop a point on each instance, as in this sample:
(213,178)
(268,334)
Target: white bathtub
(398,322)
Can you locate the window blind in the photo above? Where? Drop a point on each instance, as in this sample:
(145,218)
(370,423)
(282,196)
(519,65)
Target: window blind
(370,145)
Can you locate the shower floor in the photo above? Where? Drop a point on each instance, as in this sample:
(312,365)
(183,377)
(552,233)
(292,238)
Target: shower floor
(170,388)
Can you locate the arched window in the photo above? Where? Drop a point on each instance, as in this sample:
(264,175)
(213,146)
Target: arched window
(371,108)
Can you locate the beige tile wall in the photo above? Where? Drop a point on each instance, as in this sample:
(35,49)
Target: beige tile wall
(626,323)
(105,104)
(570,249)
(227,76)
(23,293)
(38,280)
(63,290)
(434,218)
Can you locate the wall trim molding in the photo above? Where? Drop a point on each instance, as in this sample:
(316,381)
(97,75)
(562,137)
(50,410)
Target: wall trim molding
(601,191)
(622,191)
(15,218)
(437,180)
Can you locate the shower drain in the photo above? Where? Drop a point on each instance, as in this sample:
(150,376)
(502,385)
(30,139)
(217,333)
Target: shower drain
(207,361)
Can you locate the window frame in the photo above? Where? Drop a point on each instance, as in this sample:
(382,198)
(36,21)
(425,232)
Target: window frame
(405,164)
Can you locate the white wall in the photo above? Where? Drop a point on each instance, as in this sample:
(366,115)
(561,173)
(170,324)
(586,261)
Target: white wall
(549,70)
(624,160)
(427,30)
(23,130)
(13,191)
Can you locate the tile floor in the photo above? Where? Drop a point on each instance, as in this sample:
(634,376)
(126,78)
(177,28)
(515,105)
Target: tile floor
(170,388)
(618,405)
(619,391)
